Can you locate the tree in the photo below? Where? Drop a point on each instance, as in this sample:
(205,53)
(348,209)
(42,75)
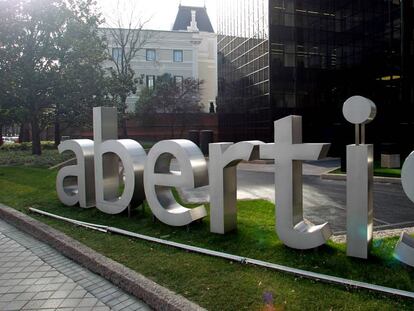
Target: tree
(33,48)
(54,57)
(9,29)
(172,97)
(81,82)
(124,41)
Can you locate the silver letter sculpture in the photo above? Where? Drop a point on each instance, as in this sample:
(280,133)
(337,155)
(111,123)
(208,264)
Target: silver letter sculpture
(109,152)
(224,158)
(359,110)
(159,180)
(76,183)
(288,153)
(404,251)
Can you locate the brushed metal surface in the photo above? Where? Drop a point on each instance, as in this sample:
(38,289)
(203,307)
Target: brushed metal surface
(159,180)
(359,110)
(407,176)
(109,153)
(404,251)
(359,199)
(224,158)
(76,183)
(288,151)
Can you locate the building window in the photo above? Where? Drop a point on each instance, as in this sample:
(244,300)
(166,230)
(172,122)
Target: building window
(178,56)
(117,54)
(150,55)
(150,82)
(178,81)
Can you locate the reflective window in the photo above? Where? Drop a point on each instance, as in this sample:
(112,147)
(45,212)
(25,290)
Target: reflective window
(243,70)
(117,54)
(305,57)
(150,82)
(150,55)
(178,56)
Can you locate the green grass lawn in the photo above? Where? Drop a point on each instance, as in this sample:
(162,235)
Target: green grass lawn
(215,283)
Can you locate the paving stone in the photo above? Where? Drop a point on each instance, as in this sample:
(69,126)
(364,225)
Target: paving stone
(18,289)
(61,294)
(14,305)
(25,296)
(70,303)
(88,302)
(42,295)
(34,304)
(33,276)
(8,297)
(52,303)
(35,288)
(28,281)
(52,287)
(77,293)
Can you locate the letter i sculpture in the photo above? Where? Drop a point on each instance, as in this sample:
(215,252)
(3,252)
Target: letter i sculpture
(359,110)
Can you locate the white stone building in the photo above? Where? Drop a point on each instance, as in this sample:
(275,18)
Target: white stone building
(189,50)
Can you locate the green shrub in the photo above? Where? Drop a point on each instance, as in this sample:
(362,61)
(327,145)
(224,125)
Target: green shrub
(25,158)
(46,145)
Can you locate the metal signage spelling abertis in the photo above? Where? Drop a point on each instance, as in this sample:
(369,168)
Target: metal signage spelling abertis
(96,179)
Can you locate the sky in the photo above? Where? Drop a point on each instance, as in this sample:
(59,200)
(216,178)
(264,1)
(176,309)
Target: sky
(160,13)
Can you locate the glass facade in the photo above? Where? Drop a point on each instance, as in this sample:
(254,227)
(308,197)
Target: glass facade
(243,64)
(322,52)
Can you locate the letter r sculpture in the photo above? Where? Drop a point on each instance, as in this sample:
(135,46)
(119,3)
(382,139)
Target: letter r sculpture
(224,158)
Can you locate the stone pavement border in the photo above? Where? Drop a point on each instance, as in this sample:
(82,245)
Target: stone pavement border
(156,296)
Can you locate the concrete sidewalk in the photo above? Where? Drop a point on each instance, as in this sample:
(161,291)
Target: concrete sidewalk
(34,276)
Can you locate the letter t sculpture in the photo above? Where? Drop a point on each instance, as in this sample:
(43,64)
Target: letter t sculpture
(288,153)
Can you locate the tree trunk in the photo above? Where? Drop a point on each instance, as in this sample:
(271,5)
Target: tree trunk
(58,137)
(24,134)
(36,145)
(1,135)
(124,126)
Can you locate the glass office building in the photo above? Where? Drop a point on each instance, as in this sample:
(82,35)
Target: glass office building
(306,57)
(243,65)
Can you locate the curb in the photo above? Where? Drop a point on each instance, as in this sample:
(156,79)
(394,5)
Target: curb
(156,296)
(387,233)
(377,179)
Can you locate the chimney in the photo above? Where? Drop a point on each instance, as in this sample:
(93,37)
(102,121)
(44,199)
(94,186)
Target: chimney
(193,26)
